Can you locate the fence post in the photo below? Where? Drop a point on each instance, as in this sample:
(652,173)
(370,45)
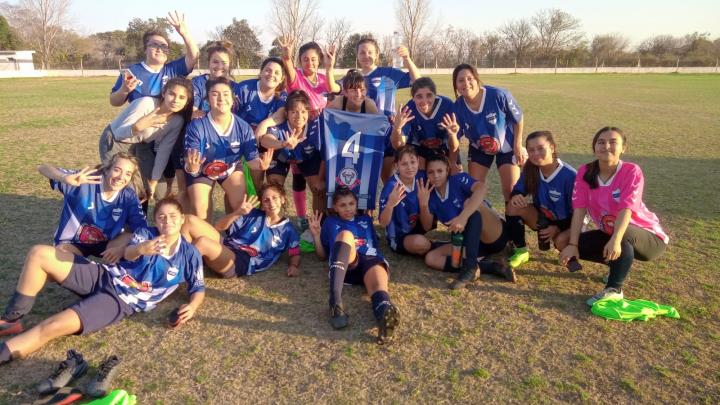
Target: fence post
(556,65)
(515,65)
(677,65)
(82,71)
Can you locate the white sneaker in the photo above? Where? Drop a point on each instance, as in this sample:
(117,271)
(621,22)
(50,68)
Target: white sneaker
(609,293)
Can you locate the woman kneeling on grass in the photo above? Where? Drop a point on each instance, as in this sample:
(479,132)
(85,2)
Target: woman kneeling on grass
(349,243)
(255,238)
(610,190)
(155,263)
(458,202)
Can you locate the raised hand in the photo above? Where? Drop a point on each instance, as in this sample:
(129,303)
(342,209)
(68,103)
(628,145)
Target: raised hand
(397,194)
(193,161)
(247,204)
(403,52)
(402,117)
(156,119)
(293,138)
(266,159)
(84,176)
(314,222)
(423,189)
(130,82)
(449,122)
(330,56)
(286,44)
(152,247)
(177,20)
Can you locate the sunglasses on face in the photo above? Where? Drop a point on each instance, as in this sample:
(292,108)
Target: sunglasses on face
(161,47)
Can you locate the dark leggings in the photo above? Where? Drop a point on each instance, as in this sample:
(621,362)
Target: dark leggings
(637,243)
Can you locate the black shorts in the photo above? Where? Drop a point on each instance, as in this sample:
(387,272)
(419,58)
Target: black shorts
(88,249)
(201,179)
(100,305)
(242,261)
(477,156)
(308,167)
(356,271)
(425,152)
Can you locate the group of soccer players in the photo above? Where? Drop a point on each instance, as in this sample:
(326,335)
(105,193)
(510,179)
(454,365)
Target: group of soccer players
(250,135)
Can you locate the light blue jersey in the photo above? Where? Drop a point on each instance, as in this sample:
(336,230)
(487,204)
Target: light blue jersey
(251,107)
(151,83)
(490,129)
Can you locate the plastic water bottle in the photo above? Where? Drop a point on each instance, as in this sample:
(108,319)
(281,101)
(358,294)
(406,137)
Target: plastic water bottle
(397,60)
(456,255)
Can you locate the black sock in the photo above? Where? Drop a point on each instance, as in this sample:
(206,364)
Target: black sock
(380,300)
(18,306)
(5,355)
(448,268)
(516,229)
(471,240)
(338,267)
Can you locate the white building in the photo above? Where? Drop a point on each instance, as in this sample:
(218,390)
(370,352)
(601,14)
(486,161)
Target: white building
(16,61)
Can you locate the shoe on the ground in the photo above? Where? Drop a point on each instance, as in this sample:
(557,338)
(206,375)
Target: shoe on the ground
(387,324)
(173,319)
(519,257)
(71,368)
(507,272)
(101,384)
(465,277)
(338,317)
(10,328)
(608,293)
(64,396)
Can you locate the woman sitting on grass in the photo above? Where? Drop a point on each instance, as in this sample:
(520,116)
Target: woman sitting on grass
(154,264)
(255,237)
(611,191)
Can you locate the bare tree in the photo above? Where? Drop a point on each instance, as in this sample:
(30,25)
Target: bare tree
(294,19)
(337,31)
(39,23)
(413,17)
(608,47)
(494,46)
(556,31)
(518,37)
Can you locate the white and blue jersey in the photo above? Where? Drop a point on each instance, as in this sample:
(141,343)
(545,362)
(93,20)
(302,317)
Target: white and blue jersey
(305,150)
(427,131)
(361,227)
(151,83)
(353,147)
(554,193)
(382,85)
(406,214)
(144,282)
(458,188)
(251,107)
(221,151)
(89,219)
(262,242)
(490,130)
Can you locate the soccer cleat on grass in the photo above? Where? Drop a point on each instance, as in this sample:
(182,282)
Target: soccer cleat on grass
(101,384)
(465,277)
(71,368)
(338,317)
(173,319)
(387,324)
(520,256)
(10,328)
(64,396)
(608,293)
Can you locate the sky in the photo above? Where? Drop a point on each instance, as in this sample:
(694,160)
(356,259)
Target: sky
(636,19)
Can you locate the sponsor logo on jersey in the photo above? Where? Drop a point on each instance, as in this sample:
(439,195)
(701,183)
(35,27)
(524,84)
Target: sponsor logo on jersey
(116,212)
(214,170)
(547,213)
(144,286)
(413,220)
(171,273)
(616,195)
(90,234)
(431,143)
(488,144)
(554,195)
(348,177)
(607,222)
(360,242)
(251,251)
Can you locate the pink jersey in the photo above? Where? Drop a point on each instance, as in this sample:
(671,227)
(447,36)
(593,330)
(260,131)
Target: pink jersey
(623,190)
(316,92)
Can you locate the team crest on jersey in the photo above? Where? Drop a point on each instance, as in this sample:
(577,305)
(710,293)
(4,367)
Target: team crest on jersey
(488,144)
(616,195)
(171,273)
(376,81)
(90,234)
(116,212)
(364,224)
(308,149)
(491,118)
(348,177)
(165,80)
(275,241)
(456,202)
(555,195)
(235,146)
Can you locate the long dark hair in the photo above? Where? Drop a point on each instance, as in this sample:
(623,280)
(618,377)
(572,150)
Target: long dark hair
(593,168)
(186,112)
(341,192)
(531,171)
(456,72)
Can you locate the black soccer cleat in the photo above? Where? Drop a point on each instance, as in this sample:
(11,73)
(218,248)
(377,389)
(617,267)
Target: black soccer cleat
(387,324)
(173,319)
(465,277)
(101,384)
(71,368)
(339,319)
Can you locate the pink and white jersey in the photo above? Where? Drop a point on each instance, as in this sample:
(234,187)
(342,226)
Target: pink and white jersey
(623,190)
(316,92)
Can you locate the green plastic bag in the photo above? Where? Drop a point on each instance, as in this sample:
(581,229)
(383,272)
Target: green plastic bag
(249,185)
(117,397)
(636,310)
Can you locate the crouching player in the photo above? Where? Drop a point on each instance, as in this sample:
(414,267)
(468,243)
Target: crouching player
(155,263)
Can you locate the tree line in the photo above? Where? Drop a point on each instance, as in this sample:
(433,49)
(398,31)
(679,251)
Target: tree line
(548,38)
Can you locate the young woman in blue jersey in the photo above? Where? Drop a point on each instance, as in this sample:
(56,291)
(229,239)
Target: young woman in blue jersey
(255,238)
(458,202)
(492,121)
(399,207)
(149,129)
(354,95)
(154,264)
(349,243)
(147,78)
(219,65)
(542,196)
(297,141)
(423,123)
(97,206)
(214,146)
(383,83)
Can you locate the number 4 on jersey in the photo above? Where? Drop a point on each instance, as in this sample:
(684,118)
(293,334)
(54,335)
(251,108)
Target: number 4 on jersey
(354,143)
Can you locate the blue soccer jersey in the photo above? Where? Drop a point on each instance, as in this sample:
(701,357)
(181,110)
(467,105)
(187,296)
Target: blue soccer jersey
(382,85)
(427,131)
(221,151)
(458,188)
(554,193)
(151,83)
(89,219)
(361,226)
(251,107)
(490,129)
(146,281)
(200,100)
(406,214)
(306,149)
(353,147)
(262,242)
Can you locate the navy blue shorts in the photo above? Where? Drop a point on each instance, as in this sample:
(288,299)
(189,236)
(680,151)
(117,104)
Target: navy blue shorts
(308,167)
(356,271)
(100,305)
(190,180)
(482,158)
(88,249)
(242,261)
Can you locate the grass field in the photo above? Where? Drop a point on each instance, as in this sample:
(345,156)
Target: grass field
(266,338)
